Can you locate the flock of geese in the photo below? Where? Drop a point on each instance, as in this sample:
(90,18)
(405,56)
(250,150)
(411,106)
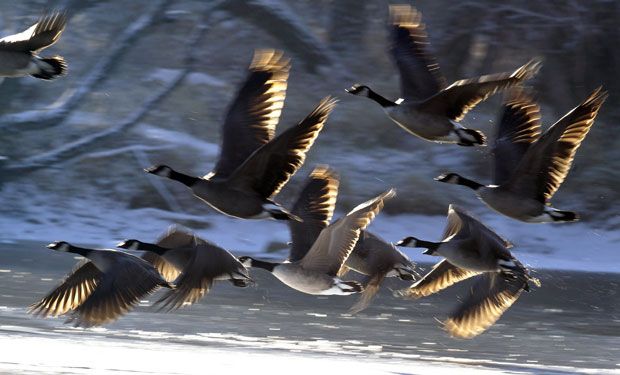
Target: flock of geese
(255,163)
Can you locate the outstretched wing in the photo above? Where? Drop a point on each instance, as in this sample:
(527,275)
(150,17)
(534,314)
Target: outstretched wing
(120,289)
(71,293)
(461,96)
(519,127)
(488,299)
(335,243)
(209,262)
(370,290)
(443,275)
(315,206)
(546,163)
(39,36)
(420,77)
(269,168)
(470,227)
(252,118)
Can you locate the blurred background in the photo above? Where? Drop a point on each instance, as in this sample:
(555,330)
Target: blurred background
(150,82)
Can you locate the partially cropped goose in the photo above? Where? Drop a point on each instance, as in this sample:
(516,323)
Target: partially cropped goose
(101,289)
(470,248)
(317,272)
(254,165)
(191,263)
(372,256)
(529,168)
(429,108)
(19,52)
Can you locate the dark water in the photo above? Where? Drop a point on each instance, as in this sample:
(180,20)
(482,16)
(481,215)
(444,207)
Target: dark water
(570,324)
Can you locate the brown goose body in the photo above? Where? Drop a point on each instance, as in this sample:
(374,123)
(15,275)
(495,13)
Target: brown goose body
(99,290)
(192,263)
(530,167)
(471,249)
(254,163)
(429,108)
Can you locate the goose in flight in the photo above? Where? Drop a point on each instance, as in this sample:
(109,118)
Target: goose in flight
(255,164)
(469,248)
(430,108)
(19,53)
(530,167)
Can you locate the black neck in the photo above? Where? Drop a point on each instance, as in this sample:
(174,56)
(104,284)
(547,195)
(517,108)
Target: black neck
(383,102)
(427,244)
(186,180)
(469,183)
(152,248)
(269,266)
(80,250)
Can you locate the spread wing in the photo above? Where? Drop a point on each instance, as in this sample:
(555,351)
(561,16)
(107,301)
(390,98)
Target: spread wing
(175,237)
(546,163)
(209,262)
(331,250)
(252,118)
(39,36)
(443,275)
(71,293)
(519,127)
(461,96)
(121,288)
(370,290)
(269,168)
(315,206)
(488,299)
(420,77)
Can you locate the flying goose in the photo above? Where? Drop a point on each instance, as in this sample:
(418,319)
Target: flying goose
(19,53)
(317,272)
(470,248)
(372,256)
(529,168)
(100,289)
(191,263)
(254,165)
(429,108)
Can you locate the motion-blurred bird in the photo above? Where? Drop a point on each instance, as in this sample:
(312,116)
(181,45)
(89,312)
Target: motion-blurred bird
(470,248)
(317,271)
(529,167)
(372,256)
(101,289)
(19,53)
(254,165)
(191,263)
(429,108)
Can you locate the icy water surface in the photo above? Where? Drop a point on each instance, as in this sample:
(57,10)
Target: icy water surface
(571,324)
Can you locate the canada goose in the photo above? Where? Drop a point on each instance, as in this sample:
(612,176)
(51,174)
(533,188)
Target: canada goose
(429,108)
(371,256)
(191,263)
(529,169)
(470,248)
(254,165)
(317,272)
(101,289)
(19,52)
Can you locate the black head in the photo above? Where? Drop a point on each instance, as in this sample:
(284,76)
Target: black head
(59,246)
(404,272)
(407,242)
(449,178)
(358,89)
(159,170)
(129,244)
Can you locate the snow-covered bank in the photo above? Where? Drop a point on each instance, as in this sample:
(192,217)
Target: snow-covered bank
(85,354)
(575,246)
